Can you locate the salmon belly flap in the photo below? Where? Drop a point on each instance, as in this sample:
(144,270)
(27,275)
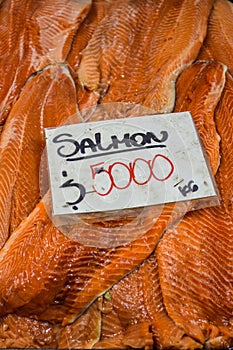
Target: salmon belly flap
(169,285)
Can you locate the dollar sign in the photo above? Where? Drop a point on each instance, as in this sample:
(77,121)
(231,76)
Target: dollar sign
(81,188)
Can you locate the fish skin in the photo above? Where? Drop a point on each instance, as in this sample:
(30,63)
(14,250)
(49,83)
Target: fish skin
(30,40)
(201,99)
(41,104)
(218,44)
(125,61)
(195,257)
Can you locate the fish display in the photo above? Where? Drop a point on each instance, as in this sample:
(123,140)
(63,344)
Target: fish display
(153,277)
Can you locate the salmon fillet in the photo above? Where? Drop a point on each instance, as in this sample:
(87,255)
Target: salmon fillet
(99,10)
(63,290)
(52,28)
(46,275)
(69,276)
(198,89)
(218,44)
(130,57)
(64,296)
(136,336)
(195,257)
(23,332)
(138,298)
(85,332)
(41,104)
(136,303)
(34,34)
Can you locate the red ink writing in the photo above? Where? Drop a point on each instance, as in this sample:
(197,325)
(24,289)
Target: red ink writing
(130,173)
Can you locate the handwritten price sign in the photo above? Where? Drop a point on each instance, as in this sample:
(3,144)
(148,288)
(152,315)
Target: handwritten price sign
(126,163)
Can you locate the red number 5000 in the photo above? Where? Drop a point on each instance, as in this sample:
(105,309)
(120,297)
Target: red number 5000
(152,166)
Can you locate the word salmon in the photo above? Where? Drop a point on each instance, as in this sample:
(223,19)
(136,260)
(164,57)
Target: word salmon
(96,144)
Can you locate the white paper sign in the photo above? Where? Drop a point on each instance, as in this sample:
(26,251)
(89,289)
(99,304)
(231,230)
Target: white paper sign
(126,163)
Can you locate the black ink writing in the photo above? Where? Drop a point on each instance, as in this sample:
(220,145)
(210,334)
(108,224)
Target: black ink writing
(69,184)
(71,147)
(190,187)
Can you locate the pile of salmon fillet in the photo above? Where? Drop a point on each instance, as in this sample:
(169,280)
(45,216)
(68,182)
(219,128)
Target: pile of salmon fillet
(173,286)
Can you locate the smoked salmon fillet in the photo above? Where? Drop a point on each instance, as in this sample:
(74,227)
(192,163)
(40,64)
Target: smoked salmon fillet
(195,256)
(138,298)
(139,49)
(34,34)
(24,332)
(136,301)
(85,332)
(198,89)
(167,283)
(92,271)
(136,336)
(99,10)
(218,44)
(69,276)
(41,104)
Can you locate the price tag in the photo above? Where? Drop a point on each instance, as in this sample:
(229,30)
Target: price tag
(126,163)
